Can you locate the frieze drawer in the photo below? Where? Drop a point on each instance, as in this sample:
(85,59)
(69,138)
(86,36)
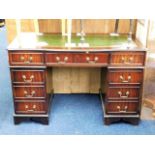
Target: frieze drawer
(124,93)
(30,107)
(118,107)
(127,58)
(26,59)
(125,76)
(29,92)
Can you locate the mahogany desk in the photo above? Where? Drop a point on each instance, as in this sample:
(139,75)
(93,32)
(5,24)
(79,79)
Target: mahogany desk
(122,70)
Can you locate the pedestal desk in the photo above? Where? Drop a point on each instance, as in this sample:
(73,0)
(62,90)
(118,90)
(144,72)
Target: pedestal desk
(121,70)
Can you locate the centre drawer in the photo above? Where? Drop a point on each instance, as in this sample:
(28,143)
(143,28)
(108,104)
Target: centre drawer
(29,92)
(116,107)
(124,93)
(91,58)
(127,58)
(125,76)
(58,58)
(30,107)
(28,76)
(26,59)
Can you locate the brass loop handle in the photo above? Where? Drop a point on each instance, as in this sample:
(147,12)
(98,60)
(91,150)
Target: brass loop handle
(30,110)
(123,96)
(29,61)
(29,95)
(123,79)
(28,81)
(127,60)
(22,58)
(58,59)
(95,60)
(122,111)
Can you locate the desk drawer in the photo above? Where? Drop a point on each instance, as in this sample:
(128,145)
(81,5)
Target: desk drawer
(28,76)
(58,58)
(26,59)
(125,76)
(127,58)
(124,93)
(26,92)
(30,107)
(91,58)
(118,107)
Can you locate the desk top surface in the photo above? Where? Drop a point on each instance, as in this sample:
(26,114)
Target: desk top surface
(56,42)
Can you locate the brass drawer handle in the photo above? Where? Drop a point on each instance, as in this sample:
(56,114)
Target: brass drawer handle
(95,60)
(123,79)
(30,110)
(22,58)
(122,111)
(29,61)
(28,81)
(127,60)
(29,95)
(58,60)
(125,96)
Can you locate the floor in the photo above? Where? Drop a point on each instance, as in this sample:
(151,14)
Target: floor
(70,114)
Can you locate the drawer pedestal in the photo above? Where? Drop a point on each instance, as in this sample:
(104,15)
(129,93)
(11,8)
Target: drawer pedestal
(123,96)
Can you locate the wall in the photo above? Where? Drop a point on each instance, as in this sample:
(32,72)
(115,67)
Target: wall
(142,31)
(27,25)
(54,26)
(149,88)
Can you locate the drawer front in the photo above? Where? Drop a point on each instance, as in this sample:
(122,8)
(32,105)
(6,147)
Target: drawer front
(30,107)
(127,58)
(91,58)
(26,92)
(26,59)
(58,58)
(122,107)
(123,93)
(28,76)
(125,76)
